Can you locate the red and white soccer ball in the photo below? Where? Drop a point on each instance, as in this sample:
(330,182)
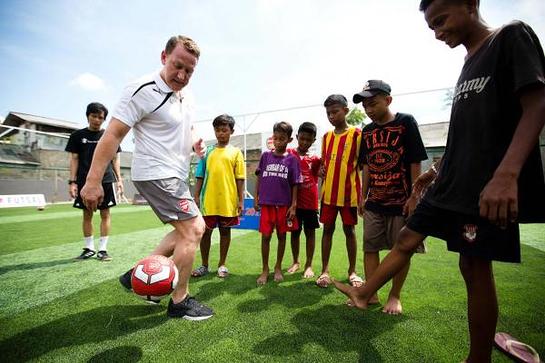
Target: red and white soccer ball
(154,277)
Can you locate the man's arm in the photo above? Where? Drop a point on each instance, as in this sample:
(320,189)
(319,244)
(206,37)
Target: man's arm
(116,163)
(410,204)
(240,192)
(92,193)
(73,187)
(499,199)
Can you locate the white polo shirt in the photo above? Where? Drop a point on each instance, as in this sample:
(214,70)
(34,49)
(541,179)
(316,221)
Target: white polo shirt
(161,121)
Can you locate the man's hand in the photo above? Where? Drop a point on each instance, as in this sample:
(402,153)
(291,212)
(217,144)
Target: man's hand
(410,205)
(92,195)
(73,190)
(498,201)
(199,148)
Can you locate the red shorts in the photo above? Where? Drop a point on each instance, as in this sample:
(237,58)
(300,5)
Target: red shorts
(275,216)
(328,214)
(219,221)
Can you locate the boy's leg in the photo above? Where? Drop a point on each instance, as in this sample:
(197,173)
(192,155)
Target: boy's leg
(393,305)
(482,306)
(397,259)
(205,246)
(371,260)
(351,249)
(265,248)
(327,236)
(310,235)
(295,240)
(225,242)
(279,256)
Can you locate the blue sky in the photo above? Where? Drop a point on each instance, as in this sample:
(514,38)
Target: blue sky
(56,56)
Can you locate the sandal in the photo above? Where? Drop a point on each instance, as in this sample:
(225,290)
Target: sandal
(200,271)
(514,349)
(223,272)
(323,280)
(355,281)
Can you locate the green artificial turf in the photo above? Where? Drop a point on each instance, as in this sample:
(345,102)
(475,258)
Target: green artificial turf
(55,309)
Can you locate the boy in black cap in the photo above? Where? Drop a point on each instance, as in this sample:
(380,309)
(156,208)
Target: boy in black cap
(490,177)
(391,152)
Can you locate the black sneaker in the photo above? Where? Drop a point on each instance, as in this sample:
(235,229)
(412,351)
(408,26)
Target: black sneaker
(189,309)
(87,253)
(125,280)
(103,256)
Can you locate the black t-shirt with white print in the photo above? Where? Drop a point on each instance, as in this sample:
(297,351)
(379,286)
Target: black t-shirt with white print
(389,150)
(83,142)
(485,112)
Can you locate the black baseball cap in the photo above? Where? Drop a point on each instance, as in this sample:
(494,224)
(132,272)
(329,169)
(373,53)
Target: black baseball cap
(372,88)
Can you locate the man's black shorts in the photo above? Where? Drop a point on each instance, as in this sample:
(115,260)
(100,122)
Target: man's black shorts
(308,218)
(469,235)
(109,197)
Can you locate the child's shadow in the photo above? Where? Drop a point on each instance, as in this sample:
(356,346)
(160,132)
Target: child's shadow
(99,324)
(337,328)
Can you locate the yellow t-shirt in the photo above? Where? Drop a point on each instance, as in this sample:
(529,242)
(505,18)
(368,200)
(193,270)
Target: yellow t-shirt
(220,169)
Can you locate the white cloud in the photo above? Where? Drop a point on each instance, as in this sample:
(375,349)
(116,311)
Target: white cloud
(88,82)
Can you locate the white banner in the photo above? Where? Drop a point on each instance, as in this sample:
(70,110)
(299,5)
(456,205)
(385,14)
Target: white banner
(22,200)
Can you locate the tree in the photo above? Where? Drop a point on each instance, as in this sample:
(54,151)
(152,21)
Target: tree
(355,117)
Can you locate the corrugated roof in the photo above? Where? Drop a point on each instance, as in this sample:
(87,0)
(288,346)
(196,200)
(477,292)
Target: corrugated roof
(16,118)
(16,154)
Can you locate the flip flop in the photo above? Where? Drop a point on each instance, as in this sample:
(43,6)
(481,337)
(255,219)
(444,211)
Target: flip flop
(200,271)
(516,350)
(355,281)
(223,272)
(323,280)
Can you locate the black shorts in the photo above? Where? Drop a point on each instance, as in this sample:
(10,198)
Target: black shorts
(109,197)
(469,235)
(308,218)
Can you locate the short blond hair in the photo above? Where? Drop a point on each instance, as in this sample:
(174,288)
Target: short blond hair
(188,43)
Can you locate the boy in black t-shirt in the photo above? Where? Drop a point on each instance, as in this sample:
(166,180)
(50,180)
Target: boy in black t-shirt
(391,152)
(81,145)
(490,177)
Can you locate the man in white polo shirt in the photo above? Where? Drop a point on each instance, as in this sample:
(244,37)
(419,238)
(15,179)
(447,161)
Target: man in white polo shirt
(159,110)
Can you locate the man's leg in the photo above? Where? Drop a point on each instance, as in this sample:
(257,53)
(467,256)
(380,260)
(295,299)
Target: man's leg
(295,240)
(279,256)
(482,307)
(87,224)
(225,242)
(265,248)
(310,235)
(397,259)
(186,240)
(371,261)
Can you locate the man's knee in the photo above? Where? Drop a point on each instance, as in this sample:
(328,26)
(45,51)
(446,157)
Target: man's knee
(408,240)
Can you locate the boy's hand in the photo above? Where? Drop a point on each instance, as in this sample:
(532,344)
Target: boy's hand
(199,148)
(361,208)
(197,201)
(410,205)
(291,212)
(240,208)
(256,204)
(498,201)
(73,190)
(120,187)
(321,171)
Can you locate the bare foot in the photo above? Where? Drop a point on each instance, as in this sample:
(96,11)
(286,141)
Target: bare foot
(293,267)
(393,306)
(262,279)
(355,280)
(278,276)
(373,300)
(352,293)
(308,273)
